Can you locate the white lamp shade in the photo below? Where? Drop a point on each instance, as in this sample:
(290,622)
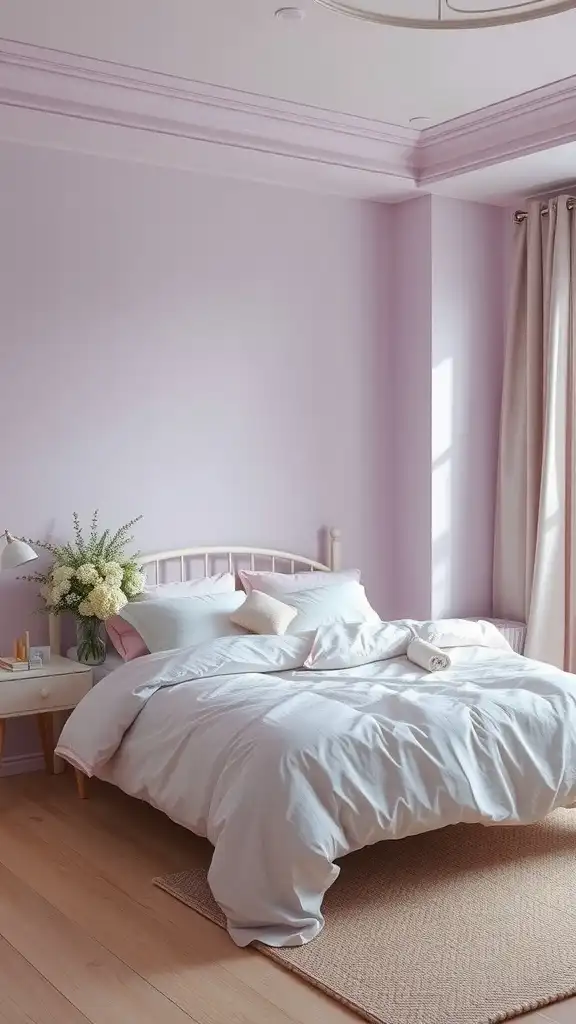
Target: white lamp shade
(15,552)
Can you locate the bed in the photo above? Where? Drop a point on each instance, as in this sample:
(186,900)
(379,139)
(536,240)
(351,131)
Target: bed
(289,751)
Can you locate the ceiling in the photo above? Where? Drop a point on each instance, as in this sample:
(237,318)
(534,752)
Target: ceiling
(324,103)
(325,61)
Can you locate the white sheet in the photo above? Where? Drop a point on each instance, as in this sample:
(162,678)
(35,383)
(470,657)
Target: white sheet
(286,772)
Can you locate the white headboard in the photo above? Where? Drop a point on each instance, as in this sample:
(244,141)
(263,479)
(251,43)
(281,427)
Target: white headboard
(229,559)
(219,559)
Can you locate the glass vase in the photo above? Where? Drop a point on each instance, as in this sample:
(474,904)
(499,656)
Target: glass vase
(90,642)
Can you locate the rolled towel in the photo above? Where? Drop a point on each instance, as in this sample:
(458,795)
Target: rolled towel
(431,658)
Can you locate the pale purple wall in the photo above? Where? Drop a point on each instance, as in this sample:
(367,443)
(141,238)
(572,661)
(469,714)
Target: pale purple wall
(409,406)
(447,325)
(468,286)
(208,352)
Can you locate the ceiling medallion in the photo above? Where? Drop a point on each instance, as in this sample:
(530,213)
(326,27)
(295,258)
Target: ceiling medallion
(447,14)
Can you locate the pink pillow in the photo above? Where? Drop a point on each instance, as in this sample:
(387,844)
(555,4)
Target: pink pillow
(275,584)
(125,639)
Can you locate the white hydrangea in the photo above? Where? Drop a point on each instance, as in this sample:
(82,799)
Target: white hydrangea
(85,609)
(61,573)
(112,569)
(112,573)
(106,600)
(134,583)
(58,591)
(63,587)
(87,574)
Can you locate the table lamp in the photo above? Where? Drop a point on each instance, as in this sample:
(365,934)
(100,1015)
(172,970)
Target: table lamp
(15,552)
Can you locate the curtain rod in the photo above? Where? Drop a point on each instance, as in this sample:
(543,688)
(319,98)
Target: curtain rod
(521,215)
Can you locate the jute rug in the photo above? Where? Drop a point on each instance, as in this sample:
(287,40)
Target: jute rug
(468,925)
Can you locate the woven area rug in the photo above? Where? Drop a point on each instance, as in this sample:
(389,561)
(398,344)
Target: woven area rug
(468,925)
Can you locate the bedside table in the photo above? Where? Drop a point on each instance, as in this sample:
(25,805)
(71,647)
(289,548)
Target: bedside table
(512,631)
(45,692)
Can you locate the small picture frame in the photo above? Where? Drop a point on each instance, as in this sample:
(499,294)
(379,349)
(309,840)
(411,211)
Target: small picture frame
(42,653)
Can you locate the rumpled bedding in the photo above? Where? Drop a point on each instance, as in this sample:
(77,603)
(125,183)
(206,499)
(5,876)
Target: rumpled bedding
(288,752)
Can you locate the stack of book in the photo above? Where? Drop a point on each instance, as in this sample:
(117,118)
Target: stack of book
(13,665)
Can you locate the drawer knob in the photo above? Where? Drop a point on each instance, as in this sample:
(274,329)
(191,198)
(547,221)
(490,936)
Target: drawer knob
(44,692)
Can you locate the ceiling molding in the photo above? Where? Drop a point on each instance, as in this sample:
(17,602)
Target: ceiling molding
(534,121)
(133,113)
(97,91)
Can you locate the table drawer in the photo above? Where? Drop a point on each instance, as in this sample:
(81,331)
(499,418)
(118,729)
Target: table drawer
(42,693)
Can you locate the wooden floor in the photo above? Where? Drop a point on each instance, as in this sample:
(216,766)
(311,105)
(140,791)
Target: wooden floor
(85,936)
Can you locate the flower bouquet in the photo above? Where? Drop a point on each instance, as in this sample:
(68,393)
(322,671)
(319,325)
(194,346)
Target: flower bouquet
(93,579)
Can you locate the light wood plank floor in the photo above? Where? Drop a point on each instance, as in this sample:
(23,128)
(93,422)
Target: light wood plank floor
(85,936)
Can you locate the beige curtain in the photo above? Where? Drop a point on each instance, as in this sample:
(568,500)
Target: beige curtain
(535,534)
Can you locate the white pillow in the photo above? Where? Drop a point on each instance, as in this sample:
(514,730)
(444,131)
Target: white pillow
(324,606)
(221,583)
(183,621)
(279,583)
(261,613)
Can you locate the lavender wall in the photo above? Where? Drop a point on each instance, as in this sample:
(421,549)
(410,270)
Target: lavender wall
(446,368)
(409,405)
(208,352)
(468,274)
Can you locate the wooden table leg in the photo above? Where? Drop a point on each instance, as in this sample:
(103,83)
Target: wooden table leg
(2,736)
(46,731)
(58,721)
(81,784)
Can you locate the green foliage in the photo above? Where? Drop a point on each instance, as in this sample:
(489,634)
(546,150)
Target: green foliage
(90,576)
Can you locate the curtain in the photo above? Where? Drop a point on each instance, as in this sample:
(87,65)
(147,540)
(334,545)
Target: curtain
(535,529)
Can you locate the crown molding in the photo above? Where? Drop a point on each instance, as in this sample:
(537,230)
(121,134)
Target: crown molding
(103,93)
(529,123)
(133,113)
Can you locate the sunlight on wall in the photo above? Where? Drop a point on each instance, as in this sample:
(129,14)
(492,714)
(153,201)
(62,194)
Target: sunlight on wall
(441,442)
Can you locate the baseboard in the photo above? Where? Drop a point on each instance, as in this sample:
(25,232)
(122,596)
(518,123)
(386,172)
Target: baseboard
(19,764)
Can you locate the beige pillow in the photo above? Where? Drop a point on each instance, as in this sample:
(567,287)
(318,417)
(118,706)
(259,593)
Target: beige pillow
(261,613)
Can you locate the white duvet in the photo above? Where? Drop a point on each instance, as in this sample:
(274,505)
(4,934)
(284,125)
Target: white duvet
(286,757)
